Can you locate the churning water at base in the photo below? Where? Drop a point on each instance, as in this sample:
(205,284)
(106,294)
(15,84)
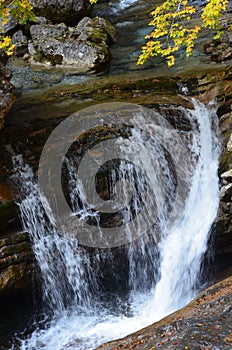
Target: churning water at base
(95,295)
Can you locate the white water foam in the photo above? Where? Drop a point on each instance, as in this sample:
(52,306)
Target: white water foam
(81,320)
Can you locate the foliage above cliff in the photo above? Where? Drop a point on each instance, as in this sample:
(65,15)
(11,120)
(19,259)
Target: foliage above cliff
(20,10)
(171,22)
(173,30)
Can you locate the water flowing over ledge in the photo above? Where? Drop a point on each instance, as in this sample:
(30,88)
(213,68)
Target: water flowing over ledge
(82,314)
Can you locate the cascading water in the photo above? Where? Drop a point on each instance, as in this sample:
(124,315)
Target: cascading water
(93,295)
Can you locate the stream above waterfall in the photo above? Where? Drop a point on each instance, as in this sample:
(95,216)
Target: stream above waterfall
(130,18)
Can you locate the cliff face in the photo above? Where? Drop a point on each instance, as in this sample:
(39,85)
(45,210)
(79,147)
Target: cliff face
(28,137)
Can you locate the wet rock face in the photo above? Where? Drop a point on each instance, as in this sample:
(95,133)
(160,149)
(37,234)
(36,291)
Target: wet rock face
(16,257)
(220,49)
(6,95)
(69,11)
(84,46)
(223,225)
(15,262)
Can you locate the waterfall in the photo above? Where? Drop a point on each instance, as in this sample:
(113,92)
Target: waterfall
(168,178)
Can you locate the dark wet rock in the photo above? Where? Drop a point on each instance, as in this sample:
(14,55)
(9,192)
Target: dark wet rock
(17,276)
(198,2)
(15,262)
(6,88)
(85,47)
(27,78)
(209,47)
(69,11)
(43,20)
(222,228)
(20,41)
(221,53)
(15,249)
(226,193)
(11,25)
(205,323)
(16,258)
(221,49)
(226,177)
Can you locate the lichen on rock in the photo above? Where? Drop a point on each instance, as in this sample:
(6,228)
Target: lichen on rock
(84,47)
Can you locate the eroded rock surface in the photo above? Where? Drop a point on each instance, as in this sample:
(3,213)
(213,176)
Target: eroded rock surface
(204,324)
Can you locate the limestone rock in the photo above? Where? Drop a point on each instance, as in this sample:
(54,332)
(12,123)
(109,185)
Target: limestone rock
(69,11)
(85,47)
(227,176)
(20,42)
(229,144)
(226,193)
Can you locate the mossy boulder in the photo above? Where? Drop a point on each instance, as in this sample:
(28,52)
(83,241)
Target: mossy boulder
(84,47)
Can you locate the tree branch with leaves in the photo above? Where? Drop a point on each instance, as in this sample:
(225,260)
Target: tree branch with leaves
(173,30)
(22,11)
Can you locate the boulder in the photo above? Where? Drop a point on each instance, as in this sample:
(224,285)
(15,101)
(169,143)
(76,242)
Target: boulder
(69,11)
(20,41)
(85,47)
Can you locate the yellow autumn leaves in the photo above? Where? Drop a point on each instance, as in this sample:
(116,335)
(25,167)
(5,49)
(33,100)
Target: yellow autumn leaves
(22,11)
(172,29)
